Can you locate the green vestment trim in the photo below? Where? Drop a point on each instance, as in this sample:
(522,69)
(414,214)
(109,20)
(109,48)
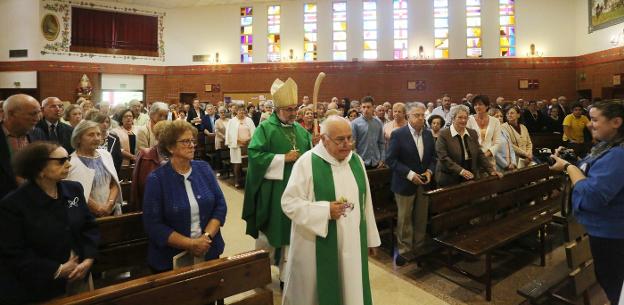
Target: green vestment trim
(328,279)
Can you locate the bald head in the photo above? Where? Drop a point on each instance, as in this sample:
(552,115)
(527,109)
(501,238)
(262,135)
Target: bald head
(52,108)
(337,138)
(21,113)
(334,122)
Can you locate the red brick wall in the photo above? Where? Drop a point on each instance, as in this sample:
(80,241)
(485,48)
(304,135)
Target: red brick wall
(385,80)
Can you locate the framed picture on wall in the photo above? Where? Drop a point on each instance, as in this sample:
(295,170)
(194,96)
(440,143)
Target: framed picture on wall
(604,13)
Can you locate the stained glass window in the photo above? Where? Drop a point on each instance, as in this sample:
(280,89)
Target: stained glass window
(440,28)
(400,29)
(273,38)
(309,32)
(507,17)
(370,29)
(246,34)
(473,28)
(339,27)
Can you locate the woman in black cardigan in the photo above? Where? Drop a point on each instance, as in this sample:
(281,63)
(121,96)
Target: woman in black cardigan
(49,238)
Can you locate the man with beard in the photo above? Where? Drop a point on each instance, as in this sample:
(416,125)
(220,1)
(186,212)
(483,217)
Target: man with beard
(275,146)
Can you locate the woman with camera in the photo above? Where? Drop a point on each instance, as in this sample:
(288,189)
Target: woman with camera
(598,194)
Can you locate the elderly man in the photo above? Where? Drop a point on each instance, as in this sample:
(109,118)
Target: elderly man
(21,114)
(329,202)
(208,121)
(50,126)
(444,110)
(412,158)
(561,103)
(145,137)
(380,113)
(305,102)
(370,143)
(275,146)
(140,118)
(500,103)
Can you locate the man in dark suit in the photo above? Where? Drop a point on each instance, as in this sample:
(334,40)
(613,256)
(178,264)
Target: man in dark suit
(51,127)
(208,120)
(21,113)
(460,157)
(411,156)
(195,115)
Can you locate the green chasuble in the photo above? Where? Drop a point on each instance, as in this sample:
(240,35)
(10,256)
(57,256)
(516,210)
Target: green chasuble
(262,209)
(328,280)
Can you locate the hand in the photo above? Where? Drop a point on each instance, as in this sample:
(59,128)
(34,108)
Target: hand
(511,167)
(199,246)
(466,174)
(337,209)
(372,251)
(530,156)
(68,267)
(559,164)
(292,156)
(380,164)
(416,180)
(496,173)
(558,150)
(428,175)
(488,153)
(81,270)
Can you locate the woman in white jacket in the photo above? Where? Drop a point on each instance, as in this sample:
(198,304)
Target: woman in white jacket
(95,170)
(487,127)
(238,133)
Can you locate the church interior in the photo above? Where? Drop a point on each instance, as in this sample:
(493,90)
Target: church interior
(511,240)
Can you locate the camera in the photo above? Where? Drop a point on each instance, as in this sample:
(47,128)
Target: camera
(543,155)
(423,178)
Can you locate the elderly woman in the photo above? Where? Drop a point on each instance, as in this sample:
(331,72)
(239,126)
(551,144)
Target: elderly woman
(238,133)
(436,122)
(352,114)
(51,237)
(110,142)
(488,128)
(85,105)
(183,207)
(73,115)
(505,156)
(268,110)
(307,119)
(398,113)
(519,137)
(95,170)
(220,147)
(147,160)
(460,157)
(126,133)
(144,134)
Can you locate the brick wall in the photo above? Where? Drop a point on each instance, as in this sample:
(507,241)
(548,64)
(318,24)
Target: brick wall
(385,80)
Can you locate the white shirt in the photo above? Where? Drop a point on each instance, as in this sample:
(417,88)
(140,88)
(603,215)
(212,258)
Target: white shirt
(465,133)
(420,147)
(196,230)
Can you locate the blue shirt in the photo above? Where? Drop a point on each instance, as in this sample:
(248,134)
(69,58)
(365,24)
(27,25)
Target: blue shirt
(598,200)
(166,209)
(369,140)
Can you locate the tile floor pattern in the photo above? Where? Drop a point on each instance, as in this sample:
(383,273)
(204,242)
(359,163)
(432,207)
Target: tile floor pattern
(410,284)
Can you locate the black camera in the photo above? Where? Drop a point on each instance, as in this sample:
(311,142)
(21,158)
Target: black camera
(543,156)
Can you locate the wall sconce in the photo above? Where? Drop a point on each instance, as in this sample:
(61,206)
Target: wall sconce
(17,84)
(291,54)
(217,57)
(421,53)
(290,57)
(616,40)
(533,52)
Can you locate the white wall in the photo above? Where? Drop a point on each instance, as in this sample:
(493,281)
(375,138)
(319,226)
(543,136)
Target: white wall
(596,41)
(556,27)
(25,79)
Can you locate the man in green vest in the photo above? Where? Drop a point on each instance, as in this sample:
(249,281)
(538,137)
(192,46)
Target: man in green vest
(275,145)
(329,202)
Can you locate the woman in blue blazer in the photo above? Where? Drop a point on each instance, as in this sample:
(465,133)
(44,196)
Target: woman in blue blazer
(183,206)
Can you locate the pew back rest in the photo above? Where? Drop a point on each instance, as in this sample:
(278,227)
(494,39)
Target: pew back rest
(121,228)
(489,198)
(123,242)
(382,197)
(194,285)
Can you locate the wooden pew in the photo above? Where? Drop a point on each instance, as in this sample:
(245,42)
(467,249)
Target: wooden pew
(383,202)
(194,285)
(125,173)
(478,217)
(546,140)
(123,242)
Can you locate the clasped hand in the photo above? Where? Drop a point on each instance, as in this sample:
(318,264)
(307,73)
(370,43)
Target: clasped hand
(292,156)
(338,208)
(199,246)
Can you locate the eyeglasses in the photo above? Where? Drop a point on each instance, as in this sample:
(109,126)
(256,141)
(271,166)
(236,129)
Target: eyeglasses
(188,142)
(61,161)
(340,141)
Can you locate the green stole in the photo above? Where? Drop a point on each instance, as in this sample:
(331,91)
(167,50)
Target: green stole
(328,280)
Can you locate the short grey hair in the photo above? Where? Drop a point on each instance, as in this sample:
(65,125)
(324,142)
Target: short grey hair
(457,109)
(413,105)
(48,99)
(134,103)
(268,103)
(80,129)
(158,106)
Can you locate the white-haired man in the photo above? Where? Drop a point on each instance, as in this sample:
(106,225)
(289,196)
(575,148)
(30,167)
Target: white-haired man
(329,202)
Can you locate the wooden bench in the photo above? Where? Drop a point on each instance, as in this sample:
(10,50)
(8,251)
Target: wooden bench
(125,173)
(123,242)
(546,140)
(383,202)
(199,284)
(478,217)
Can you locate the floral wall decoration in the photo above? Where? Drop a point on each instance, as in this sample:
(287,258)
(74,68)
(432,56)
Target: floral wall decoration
(62,9)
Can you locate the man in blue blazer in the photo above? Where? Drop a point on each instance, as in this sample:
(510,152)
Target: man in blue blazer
(412,158)
(50,127)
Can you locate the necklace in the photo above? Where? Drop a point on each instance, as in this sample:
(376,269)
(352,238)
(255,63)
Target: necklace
(95,156)
(290,136)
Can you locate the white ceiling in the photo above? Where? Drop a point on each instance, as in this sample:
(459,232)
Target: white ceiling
(169,4)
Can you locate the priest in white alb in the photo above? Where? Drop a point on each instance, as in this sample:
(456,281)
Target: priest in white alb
(329,202)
